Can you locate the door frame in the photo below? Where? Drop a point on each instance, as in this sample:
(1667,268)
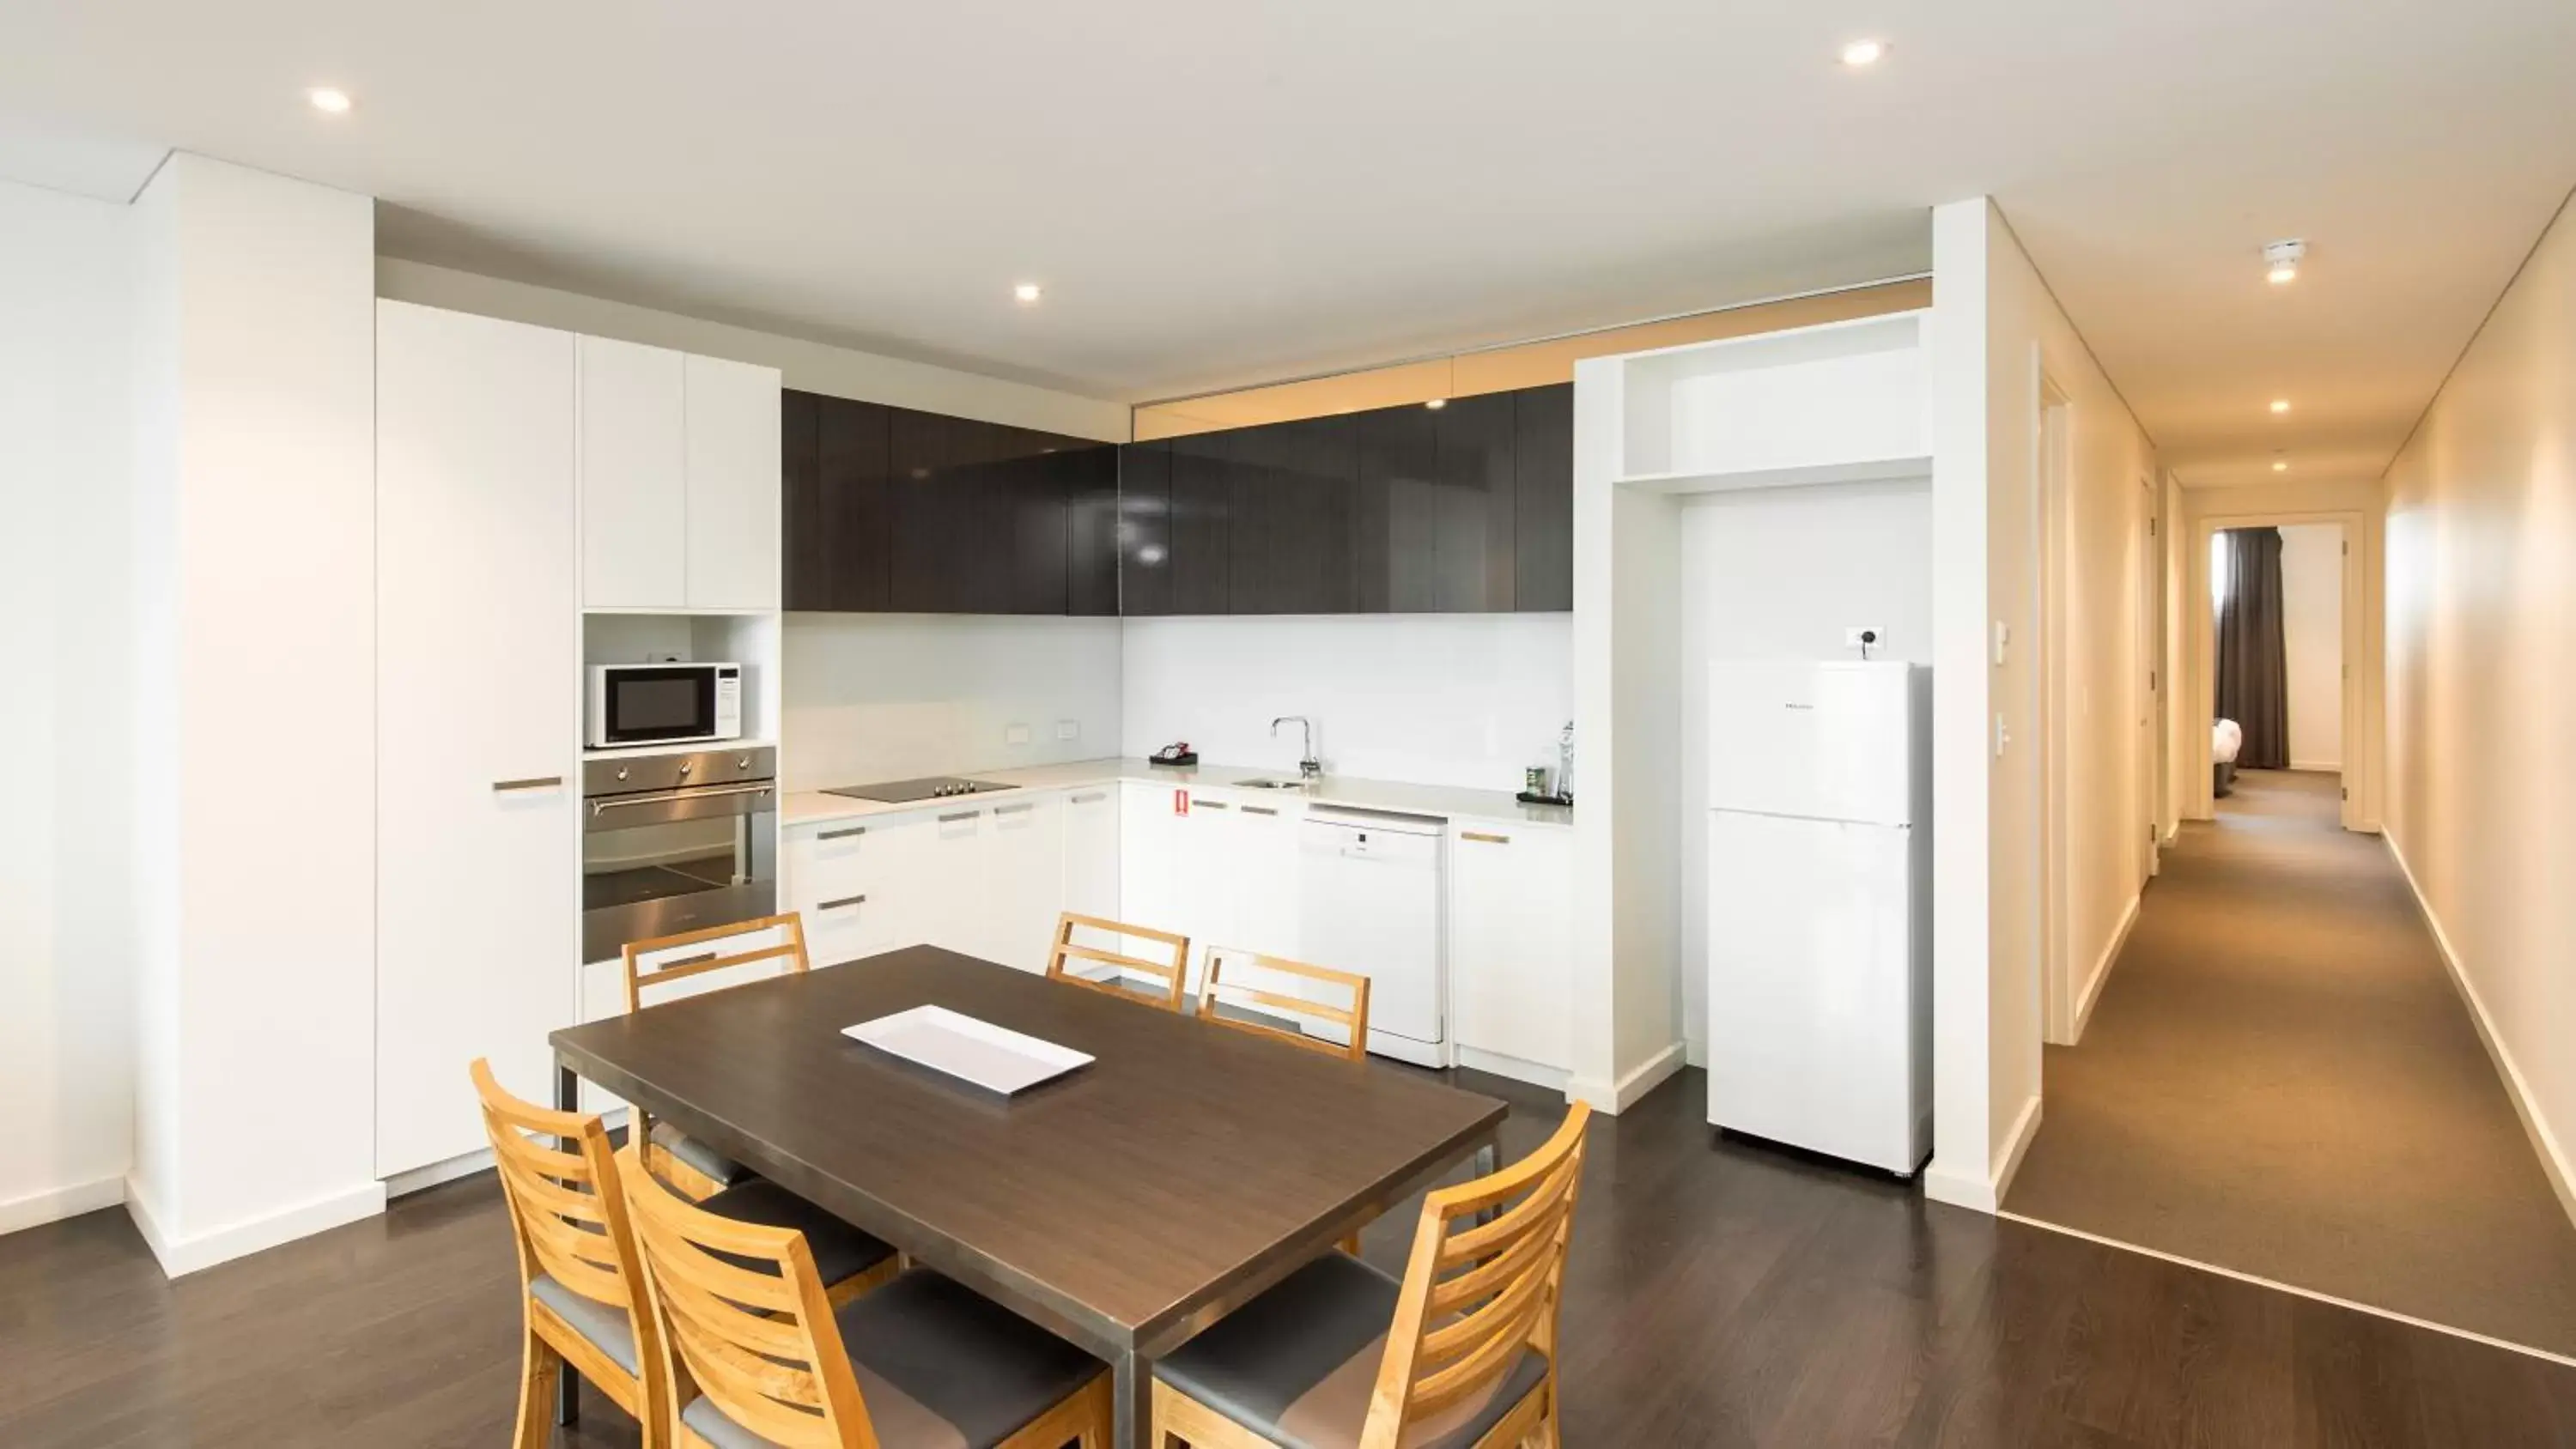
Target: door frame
(2200,649)
(2052,516)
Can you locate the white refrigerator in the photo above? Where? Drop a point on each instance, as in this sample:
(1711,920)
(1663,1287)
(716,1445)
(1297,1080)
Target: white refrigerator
(1819,907)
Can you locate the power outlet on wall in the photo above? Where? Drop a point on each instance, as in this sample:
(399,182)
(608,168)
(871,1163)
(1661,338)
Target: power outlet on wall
(1017,734)
(1068,729)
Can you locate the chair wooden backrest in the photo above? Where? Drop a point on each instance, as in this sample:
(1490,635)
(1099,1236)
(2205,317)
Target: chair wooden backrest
(1173,973)
(764,1348)
(1479,1289)
(1215,991)
(566,1208)
(642,975)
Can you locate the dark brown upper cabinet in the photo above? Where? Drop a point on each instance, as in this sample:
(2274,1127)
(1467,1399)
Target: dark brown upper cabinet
(1397,512)
(1543,495)
(892,509)
(1145,528)
(1198,524)
(1475,505)
(1290,496)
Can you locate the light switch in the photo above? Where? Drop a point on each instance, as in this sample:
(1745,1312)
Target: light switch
(1068,729)
(1017,734)
(2003,639)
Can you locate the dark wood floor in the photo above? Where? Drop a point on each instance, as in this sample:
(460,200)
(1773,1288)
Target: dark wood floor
(1720,1294)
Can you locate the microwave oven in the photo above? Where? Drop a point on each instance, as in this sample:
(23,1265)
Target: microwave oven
(654,704)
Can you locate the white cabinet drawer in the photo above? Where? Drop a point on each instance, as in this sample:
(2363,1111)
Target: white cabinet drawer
(838,859)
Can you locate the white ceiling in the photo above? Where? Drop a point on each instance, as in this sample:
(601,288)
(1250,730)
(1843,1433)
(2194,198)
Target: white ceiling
(1232,193)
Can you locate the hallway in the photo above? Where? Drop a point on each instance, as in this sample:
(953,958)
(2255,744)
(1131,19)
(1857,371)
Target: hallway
(2280,1080)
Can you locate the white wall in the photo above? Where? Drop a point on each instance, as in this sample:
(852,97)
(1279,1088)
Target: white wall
(2312,638)
(1778,573)
(255,707)
(2481,619)
(1442,699)
(889,696)
(66,960)
(808,366)
(1997,333)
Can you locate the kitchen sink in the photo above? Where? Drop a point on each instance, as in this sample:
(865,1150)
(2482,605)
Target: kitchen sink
(1274,784)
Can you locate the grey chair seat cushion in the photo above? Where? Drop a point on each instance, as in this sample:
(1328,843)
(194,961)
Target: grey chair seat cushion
(722,1169)
(938,1367)
(840,1251)
(1298,1364)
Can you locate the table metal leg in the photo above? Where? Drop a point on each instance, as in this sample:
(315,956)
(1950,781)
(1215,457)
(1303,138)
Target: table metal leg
(1488,1160)
(567,1381)
(1134,1416)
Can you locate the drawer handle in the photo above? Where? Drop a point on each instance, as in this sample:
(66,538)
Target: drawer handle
(842,834)
(960,815)
(533,782)
(1014,809)
(1482,836)
(1091,799)
(1205,804)
(1259,810)
(843,901)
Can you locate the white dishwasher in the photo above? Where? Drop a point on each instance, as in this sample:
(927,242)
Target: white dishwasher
(1371,904)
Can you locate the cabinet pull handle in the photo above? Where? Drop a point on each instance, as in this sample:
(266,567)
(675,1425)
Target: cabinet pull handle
(843,901)
(533,782)
(960,815)
(1204,803)
(1014,809)
(664,797)
(1259,810)
(1093,798)
(1482,836)
(842,834)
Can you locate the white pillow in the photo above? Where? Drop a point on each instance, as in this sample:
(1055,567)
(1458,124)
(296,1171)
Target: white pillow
(2225,739)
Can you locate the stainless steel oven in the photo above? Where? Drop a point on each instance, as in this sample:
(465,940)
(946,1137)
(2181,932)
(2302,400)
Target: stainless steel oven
(675,842)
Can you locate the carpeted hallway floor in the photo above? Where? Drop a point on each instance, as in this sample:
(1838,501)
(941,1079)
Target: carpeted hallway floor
(2279,1079)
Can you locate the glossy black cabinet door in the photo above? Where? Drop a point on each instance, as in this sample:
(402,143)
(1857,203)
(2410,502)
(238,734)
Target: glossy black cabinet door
(1289,516)
(1145,528)
(1201,504)
(1543,472)
(1029,484)
(850,456)
(1090,477)
(1395,512)
(1475,506)
(807,581)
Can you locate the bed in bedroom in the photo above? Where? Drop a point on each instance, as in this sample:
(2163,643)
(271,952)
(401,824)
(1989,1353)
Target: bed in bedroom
(2225,739)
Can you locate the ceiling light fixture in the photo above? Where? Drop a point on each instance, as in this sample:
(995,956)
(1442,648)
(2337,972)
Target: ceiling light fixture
(1864,53)
(1437,403)
(2279,466)
(329,100)
(1027,292)
(2280,405)
(2281,260)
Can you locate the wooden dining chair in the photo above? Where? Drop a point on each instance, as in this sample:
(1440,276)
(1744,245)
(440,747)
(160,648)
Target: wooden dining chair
(651,966)
(756,1356)
(1173,973)
(1464,1346)
(1243,1006)
(582,1296)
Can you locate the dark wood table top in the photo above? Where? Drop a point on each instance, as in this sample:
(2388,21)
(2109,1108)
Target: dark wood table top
(1126,1205)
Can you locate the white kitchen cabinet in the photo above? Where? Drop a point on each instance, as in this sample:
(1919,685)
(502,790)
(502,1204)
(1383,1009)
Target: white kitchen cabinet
(1262,911)
(1149,851)
(1022,884)
(1511,939)
(858,884)
(478,903)
(1091,854)
(951,860)
(732,474)
(634,476)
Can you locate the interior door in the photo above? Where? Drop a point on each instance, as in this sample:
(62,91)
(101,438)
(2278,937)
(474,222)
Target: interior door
(478,904)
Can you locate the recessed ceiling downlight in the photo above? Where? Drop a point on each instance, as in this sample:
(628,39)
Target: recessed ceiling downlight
(2281,260)
(2280,466)
(1862,53)
(2280,405)
(330,100)
(1027,292)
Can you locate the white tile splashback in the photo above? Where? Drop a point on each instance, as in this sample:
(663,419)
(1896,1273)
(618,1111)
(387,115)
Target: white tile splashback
(887,696)
(1437,699)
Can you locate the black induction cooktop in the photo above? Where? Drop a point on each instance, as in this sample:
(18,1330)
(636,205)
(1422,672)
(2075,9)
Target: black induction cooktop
(929,787)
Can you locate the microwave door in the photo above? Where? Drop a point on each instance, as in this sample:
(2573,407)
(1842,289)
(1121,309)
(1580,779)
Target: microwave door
(648,705)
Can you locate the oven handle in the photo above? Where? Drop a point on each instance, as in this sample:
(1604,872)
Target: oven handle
(664,797)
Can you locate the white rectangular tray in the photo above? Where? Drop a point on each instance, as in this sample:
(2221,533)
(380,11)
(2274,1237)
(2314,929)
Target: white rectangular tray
(994,1058)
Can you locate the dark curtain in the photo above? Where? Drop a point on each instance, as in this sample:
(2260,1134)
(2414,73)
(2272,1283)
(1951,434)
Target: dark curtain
(2253,665)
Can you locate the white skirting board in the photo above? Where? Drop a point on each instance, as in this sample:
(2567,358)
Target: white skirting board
(2553,1159)
(37,1209)
(1552,1078)
(2102,964)
(1632,1086)
(1985,1193)
(180,1257)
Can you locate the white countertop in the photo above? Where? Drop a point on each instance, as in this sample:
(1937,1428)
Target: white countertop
(811,807)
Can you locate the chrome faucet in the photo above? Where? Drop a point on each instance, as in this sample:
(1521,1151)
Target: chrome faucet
(1307,765)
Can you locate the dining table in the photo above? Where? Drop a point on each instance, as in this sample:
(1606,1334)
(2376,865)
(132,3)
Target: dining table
(1124,1206)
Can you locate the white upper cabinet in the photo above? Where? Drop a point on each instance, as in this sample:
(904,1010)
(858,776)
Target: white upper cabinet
(474,558)
(679,480)
(733,484)
(634,476)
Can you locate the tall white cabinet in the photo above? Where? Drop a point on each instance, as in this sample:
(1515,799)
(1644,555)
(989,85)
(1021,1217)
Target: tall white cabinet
(477,891)
(679,473)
